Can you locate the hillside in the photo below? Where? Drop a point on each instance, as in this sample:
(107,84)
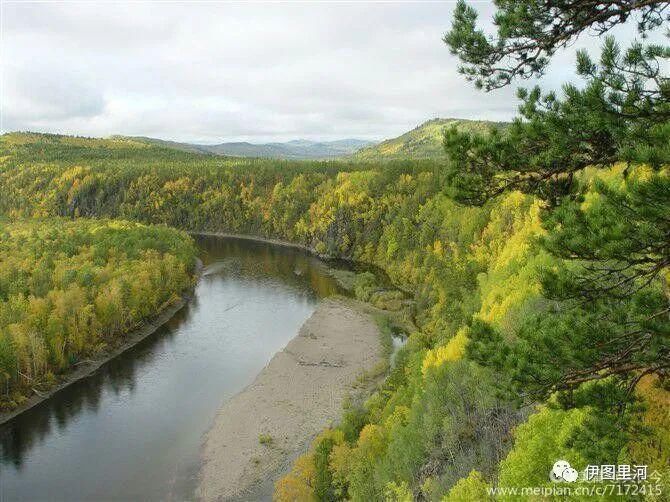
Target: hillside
(295,150)
(424,141)
(483,331)
(184,147)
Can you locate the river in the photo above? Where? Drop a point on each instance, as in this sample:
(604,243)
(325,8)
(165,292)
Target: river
(134,429)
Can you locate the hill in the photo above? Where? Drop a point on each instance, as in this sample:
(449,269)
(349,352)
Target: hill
(184,147)
(422,142)
(475,274)
(295,150)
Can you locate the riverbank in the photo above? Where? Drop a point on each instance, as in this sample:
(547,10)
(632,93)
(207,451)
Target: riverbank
(377,270)
(267,240)
(259,432)
(127,341)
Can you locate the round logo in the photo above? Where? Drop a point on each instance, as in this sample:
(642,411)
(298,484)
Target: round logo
(562,471)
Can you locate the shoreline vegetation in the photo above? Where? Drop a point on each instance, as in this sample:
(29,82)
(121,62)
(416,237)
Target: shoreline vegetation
(257,238)
(76,293)
(486,319)
(372,288)
(91,366)
(88,367)
(358,371)
(537,254)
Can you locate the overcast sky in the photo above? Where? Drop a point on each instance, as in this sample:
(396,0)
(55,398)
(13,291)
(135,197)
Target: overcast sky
(211,72)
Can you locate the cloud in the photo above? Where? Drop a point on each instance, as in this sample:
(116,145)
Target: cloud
(32,97)
(231,71)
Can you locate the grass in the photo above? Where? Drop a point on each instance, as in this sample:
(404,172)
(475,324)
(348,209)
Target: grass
(344,278)
(265,439)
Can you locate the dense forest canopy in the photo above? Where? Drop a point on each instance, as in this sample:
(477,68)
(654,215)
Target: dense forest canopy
(70,290)
(612,234)
(475,272)
(538,255)
(424,141)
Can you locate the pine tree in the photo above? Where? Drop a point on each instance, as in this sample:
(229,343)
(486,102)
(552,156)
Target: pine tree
(529,32)
(610,321)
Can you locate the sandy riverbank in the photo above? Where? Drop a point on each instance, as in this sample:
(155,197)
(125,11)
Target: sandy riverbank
(294,397)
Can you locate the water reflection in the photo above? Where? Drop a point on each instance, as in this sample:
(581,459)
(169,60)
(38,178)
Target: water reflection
(261,261)
(117,376)
(133,430)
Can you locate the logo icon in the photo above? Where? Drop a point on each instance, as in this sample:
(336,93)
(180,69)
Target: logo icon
(562,471)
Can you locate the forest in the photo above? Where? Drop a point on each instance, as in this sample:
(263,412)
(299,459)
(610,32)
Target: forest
(71,289)
(476,272)
(538,256)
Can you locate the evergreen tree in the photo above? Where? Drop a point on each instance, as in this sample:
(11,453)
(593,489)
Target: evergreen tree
(530,31)
(611,321)
(621,114)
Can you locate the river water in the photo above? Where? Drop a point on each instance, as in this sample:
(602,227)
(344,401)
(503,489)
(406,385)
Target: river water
(133,430)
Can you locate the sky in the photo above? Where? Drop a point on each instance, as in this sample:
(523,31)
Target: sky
(209,72)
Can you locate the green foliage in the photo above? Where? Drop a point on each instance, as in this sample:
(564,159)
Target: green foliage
(71,289)
(556,292)
(472,488)
(529,32)
(265,439)
(611,317)
(450,425)
(422,142)
(324,489)
(608,228)
(385,325)
(651,446)
(621,114)
(365,285)
(593,319)
(454,424)
(552,434)
(543,439)
(480,278)
(398,492)
(353,420)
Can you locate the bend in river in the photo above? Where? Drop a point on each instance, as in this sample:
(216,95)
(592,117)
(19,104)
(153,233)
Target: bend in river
(134,429)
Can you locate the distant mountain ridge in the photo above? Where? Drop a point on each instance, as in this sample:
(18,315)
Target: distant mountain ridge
(295,149)
(422,142)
